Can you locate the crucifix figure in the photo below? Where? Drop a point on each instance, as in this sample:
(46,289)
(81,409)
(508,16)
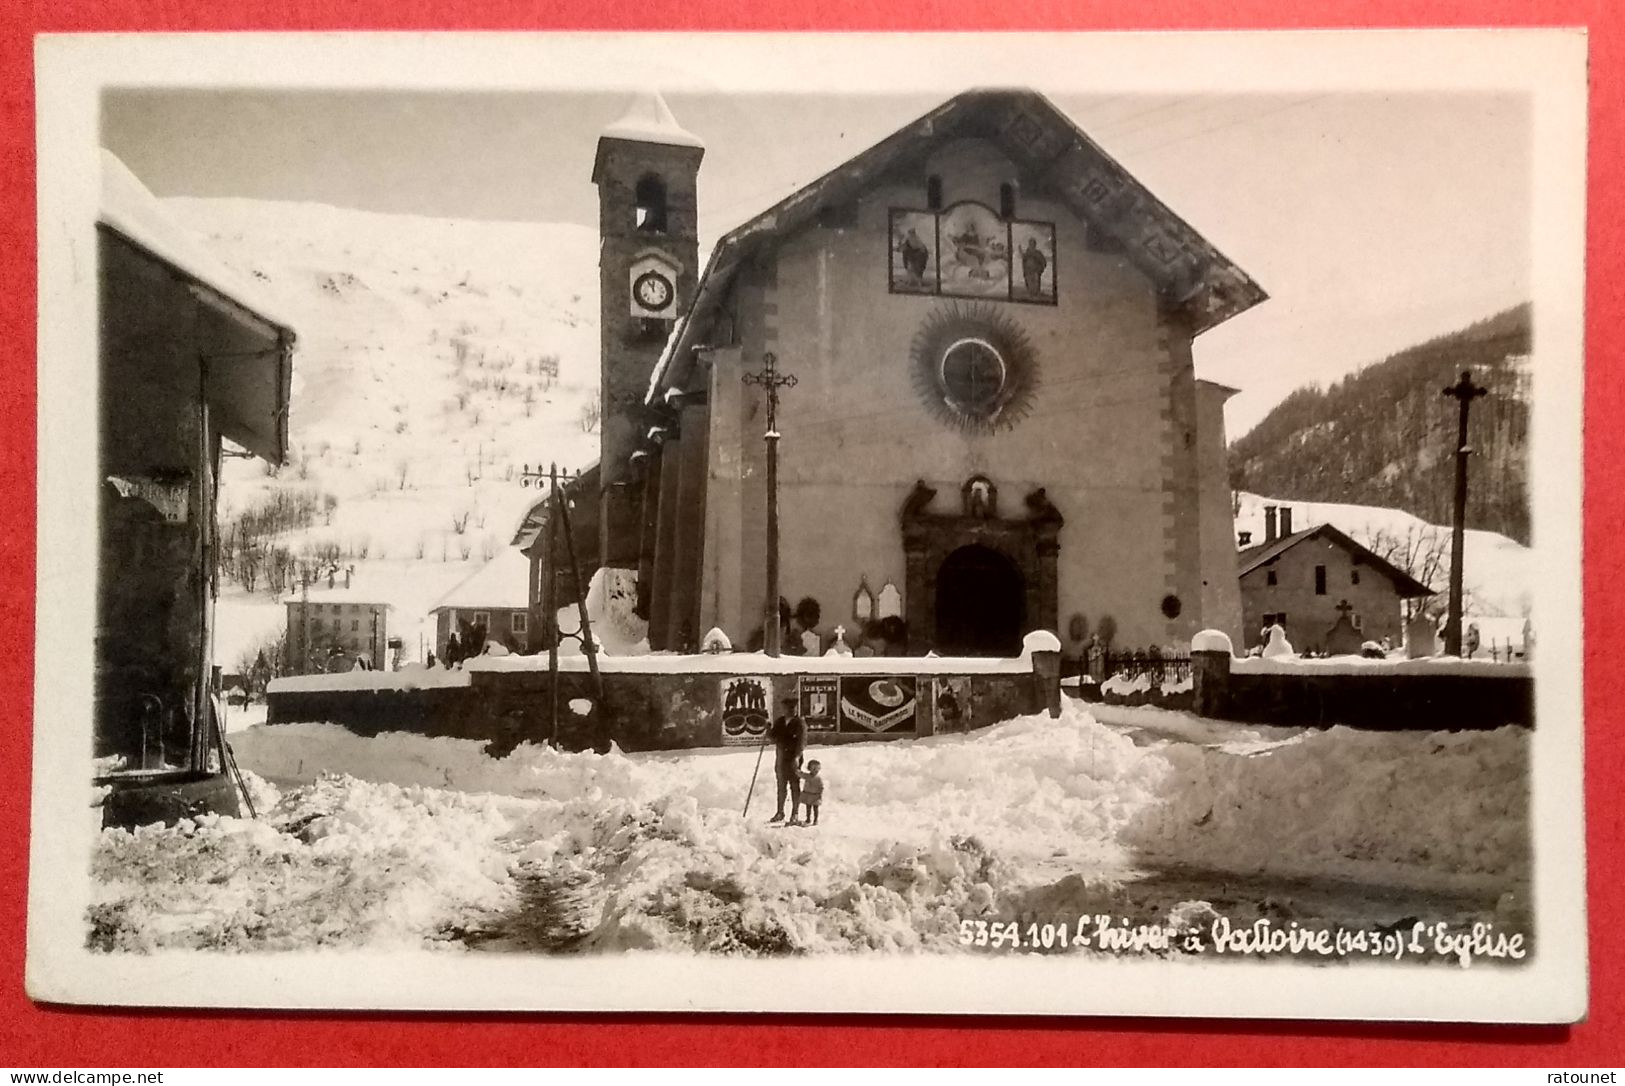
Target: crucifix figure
(1464,392)
(771,381)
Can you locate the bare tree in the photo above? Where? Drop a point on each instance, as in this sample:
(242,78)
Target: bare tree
(592,415)
(1421,552)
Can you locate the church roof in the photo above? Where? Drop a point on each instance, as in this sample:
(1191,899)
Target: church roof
(649,120)
(1048,148)
(1262,554)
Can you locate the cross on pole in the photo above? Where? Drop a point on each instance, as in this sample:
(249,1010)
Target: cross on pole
(771,380)
(1464,392)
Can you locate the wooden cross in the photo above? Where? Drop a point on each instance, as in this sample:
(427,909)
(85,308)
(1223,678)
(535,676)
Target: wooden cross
(1344,607)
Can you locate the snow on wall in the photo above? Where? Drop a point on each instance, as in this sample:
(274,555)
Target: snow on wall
(759,663)
(411,678)
(1360,665)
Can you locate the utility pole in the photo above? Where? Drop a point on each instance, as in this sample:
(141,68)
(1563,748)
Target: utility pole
(1464,392)
(771,381)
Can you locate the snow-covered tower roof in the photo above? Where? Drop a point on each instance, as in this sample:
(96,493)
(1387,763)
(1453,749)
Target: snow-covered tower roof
(649,120)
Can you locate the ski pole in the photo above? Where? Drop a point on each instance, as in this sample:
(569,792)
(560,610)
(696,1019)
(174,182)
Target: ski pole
(746,812)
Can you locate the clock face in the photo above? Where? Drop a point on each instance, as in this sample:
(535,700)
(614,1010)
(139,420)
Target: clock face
(652,290)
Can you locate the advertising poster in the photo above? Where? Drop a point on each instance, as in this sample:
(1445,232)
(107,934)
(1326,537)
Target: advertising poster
(818,696)
(877,704)
(747,708)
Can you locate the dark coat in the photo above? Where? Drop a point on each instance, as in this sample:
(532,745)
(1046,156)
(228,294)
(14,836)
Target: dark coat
(789,736)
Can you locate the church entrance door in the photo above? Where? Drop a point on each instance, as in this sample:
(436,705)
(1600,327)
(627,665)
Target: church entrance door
(981,604)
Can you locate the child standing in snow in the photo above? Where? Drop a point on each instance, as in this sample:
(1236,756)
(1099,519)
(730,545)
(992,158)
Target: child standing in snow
(812,792)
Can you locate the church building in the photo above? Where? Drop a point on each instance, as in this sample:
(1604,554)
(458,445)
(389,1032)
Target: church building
(995,424)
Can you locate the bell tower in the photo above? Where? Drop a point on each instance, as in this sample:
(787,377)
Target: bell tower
(646,170)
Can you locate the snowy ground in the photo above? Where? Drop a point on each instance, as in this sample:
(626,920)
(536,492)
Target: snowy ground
(1154,818)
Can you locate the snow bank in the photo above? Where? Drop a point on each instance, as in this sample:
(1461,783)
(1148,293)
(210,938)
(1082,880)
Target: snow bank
(343,864)
(424,838)
(1372,806)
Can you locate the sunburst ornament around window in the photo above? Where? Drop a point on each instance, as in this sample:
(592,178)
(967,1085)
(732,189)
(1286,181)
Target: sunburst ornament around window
(974,367)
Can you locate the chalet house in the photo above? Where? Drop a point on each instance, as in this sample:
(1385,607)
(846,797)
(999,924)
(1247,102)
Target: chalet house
(990,324)
(496,596)
(190,356)
(1305,580)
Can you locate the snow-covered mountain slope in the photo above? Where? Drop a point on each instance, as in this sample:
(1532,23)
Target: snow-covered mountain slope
(435,359)
(1497,571)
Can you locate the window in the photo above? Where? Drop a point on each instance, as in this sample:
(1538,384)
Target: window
(1354,577)
(520,622)
(1320,580)
(482,618)
(973,374)
(1275,618)
(650,198)
(355,624)
(933,193)
(1354,619)
(1269,576)
(1007,201)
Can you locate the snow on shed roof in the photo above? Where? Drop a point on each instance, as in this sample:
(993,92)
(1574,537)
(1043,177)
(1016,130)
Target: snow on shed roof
(130,209)
(504,581)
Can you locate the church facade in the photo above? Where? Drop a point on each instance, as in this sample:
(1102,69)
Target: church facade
(995,424)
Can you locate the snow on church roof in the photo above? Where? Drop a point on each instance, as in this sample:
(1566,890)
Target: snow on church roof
(504,581)
(130,209)
(649,120)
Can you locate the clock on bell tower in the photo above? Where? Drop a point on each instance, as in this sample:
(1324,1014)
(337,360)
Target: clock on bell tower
(646,170)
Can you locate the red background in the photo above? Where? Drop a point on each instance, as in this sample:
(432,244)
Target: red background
(33,1035)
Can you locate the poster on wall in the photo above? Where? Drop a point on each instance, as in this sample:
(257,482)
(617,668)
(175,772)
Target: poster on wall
(817,699)
(877,704)
(950,703)
(1032,245)
(913,252)
(974,259)
(747,708)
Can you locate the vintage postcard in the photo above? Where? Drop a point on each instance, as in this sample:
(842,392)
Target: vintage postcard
(804,522)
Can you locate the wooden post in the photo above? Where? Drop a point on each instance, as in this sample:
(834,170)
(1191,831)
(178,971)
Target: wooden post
(550,606)
(581,598)
(771,381)
(1464,392)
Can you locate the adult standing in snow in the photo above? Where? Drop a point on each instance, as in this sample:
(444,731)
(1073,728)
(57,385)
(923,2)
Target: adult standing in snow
(789,735)
(454,651)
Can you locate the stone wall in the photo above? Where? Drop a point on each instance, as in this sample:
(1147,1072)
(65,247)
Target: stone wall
(653,709)
(1422,695)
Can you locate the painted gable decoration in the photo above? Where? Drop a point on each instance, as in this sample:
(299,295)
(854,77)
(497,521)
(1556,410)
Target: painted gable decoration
(967,251)
(1045,147)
